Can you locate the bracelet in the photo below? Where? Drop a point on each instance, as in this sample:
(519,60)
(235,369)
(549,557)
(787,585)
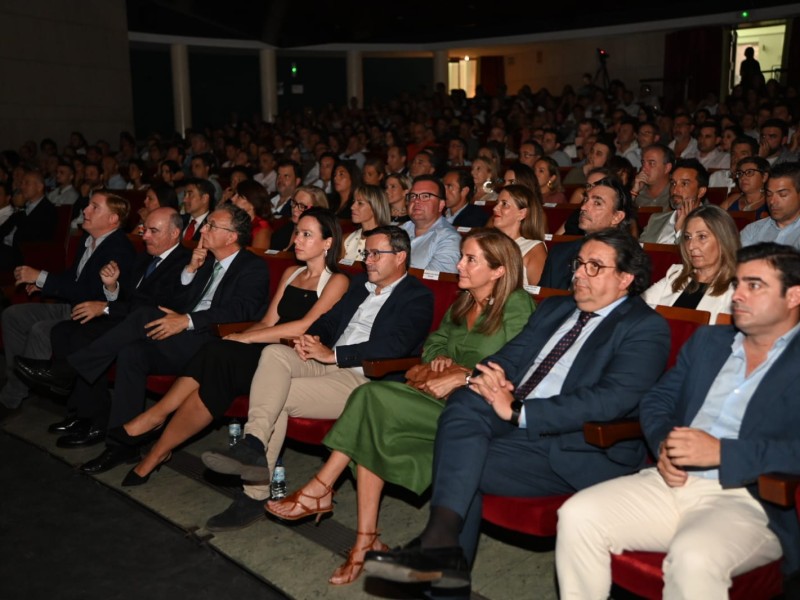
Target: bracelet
(467,379)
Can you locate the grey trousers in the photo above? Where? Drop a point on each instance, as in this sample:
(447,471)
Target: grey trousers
(26,332)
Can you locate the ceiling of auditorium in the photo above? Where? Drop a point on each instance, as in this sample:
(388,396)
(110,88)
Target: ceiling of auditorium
(293,23)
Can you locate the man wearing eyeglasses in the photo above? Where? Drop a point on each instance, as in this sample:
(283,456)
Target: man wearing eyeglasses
(223,283)
(688,184)
(384,314)
(435,244)
(783,201)
(516,430)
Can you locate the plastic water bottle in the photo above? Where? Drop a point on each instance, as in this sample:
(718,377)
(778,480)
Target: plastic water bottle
(277,487)
(234,432)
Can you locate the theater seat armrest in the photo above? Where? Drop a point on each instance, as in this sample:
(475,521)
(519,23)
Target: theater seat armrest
(223,329)
(606,434)
(376,369)
(778,488)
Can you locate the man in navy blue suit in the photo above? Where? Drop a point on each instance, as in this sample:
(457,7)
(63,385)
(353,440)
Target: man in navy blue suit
(518,428)
(386,314)
(724,414)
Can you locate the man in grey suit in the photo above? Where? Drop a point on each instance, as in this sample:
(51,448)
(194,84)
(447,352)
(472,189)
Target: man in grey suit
(688,184)
(517,429)
(724,414)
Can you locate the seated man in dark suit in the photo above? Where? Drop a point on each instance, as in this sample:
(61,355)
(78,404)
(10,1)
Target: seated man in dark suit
(605,204)
(517,429)
(152,281)
(198,199)
(459,187)
(26,327)
(223,283)
(385,314)
(725,413)
(34,222)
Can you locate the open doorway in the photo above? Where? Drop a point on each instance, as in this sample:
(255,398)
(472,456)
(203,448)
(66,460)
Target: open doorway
(767,43)
(462,75)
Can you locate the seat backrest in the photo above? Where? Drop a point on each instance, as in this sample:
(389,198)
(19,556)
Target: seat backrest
(445,290)
(742,218)
(683,322)
(644,213)
(662,256)
(557,214)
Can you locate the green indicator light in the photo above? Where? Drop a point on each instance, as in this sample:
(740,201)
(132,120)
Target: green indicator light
(745,14)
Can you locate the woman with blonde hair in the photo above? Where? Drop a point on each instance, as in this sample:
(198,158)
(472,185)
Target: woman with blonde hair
(484,173)
(703,280)
(305,197)
(387,428)
(519,214)
(370,209)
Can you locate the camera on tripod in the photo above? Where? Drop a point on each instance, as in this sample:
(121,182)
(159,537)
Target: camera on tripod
(603,55)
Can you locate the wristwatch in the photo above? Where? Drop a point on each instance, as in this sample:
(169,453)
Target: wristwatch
(516,410)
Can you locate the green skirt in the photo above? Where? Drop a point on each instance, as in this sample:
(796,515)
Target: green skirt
(389,428)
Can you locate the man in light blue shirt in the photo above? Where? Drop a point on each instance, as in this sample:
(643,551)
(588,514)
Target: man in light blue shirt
(783,200)
(726,413)
(435,244)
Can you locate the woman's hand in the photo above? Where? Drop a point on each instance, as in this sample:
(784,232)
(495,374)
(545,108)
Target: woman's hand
(443,386)
(440,363)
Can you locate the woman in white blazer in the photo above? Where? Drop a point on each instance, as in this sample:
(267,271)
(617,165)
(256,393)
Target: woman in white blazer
(708,247)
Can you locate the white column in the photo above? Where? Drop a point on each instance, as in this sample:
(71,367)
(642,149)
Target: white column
(269,84)
(440,72)
(181,92)
(355,76)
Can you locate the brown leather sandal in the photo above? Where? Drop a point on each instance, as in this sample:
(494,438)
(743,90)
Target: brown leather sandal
(350,570)
(308,511)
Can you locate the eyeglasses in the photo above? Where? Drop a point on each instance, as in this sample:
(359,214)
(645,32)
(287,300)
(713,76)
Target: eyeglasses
(421,197)
(747,173)
(375,254)
(301,207)
(591,267)
(211,226)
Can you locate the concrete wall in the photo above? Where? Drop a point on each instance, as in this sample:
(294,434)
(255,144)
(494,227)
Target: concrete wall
(64,66)
(556,64)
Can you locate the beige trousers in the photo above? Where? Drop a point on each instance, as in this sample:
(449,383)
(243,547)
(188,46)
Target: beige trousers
(285,385)
(709,534)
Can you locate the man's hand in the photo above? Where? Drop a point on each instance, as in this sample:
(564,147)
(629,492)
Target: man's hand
(493,386)
(86,311)
(687,447)
(198,257)
(168,325)
(25,274)
(109,275)
(684,207)
(672,475)
(639,182)
(309,347)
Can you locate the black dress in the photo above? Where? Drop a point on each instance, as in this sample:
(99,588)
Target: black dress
(225,368)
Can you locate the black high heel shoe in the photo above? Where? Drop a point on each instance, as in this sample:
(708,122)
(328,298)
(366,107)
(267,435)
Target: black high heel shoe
(118,434)
(132,479)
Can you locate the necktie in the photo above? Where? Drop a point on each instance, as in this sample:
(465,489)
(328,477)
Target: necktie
(187,237)
(552,358)
(152,266)
(209,290)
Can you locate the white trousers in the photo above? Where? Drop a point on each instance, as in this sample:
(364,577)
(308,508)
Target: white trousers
(709,535)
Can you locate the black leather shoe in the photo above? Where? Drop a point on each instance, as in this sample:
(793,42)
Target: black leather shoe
(111,457)
(86,435)
(36,372)
(71,424)
(242,512)
(132,479)
(441,567)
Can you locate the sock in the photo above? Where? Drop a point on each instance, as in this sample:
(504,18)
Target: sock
(442,529)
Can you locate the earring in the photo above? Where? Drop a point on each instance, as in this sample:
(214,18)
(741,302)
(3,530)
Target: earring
(325,253)
(550,185)
(491,300)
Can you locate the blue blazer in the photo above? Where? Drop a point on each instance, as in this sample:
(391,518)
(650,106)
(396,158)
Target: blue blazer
(616,366)
(557,271)
(70,287)
(399,329)
(769,437)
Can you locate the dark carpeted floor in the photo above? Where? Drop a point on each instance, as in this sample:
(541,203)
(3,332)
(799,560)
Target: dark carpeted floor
(65,536)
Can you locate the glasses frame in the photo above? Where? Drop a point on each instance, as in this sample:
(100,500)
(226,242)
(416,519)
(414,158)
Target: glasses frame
(595,269)
(212,226)
(374,254)
(414,197)
(738,174)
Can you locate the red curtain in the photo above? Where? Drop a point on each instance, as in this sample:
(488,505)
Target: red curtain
(692,64)
(492,73)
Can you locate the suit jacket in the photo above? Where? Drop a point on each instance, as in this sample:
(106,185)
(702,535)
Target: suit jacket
(157,290)
(557,271)
(71,288)
(242,295)
(471,216)
(655,225)
(39,226)
(399,329)
(769,437)
(619,362)
(186,218)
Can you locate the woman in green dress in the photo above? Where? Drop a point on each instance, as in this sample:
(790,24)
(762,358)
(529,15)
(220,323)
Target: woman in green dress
(387,429)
